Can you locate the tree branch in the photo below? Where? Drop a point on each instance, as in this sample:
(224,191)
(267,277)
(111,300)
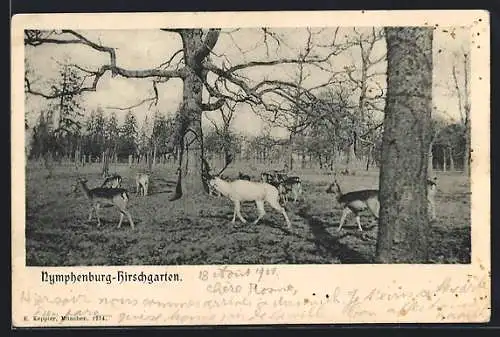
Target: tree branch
(209,43)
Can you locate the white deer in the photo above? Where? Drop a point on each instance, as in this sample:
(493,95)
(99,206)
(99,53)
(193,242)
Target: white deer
(244,190)
(141,183)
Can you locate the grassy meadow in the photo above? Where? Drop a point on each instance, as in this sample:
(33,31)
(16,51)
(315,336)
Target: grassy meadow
(198,230)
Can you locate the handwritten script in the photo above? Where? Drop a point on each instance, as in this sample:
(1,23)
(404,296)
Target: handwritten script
(258,295)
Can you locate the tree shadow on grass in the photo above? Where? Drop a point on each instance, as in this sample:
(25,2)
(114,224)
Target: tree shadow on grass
(331,245)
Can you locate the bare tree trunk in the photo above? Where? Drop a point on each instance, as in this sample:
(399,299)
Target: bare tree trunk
(403,234)
(452,162)
(290,151)
(368,157)
(77,159)
(351,156)
(467,150)
(149,160)
(105,164)
(445,169)
(154,154)
(47,163)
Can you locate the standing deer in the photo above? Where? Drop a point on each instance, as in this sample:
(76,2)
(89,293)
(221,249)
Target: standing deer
(355,202)
(103,197)
(141,183)
(244,190)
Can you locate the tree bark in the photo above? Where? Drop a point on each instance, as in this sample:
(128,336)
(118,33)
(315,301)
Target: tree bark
(403,224)
(196,48)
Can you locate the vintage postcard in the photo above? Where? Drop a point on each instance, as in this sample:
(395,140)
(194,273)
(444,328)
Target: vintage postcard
(250,168)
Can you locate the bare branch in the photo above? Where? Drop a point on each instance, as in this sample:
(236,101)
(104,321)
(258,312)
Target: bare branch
(459,94)
(37,39)
(167,63)
(209,43)
(213,106)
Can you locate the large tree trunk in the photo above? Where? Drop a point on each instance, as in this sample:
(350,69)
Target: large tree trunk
(403,232)
(196,48)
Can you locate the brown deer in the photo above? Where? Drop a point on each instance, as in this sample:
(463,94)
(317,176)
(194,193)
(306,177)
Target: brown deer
(355,202)
(100,196)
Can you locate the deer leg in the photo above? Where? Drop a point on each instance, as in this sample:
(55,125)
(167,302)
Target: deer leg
(276,205)
(130,219)
(146,185)
(358,221)
(121,219)
(345,213)
(238,211)
(288,223)
(260,209)
(90,214)
(234,213)
(97,207)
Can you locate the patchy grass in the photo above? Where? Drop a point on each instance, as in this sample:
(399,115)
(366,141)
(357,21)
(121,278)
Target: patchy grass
(197,230)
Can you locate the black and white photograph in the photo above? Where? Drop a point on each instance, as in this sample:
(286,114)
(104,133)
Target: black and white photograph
(247,145)
(251,145)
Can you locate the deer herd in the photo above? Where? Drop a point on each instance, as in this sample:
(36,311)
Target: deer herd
(275,188)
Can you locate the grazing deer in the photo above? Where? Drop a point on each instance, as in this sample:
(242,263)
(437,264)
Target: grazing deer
(243,176)
(113,181)
(244,190)
(141,183)
(355,202)
(105,197)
